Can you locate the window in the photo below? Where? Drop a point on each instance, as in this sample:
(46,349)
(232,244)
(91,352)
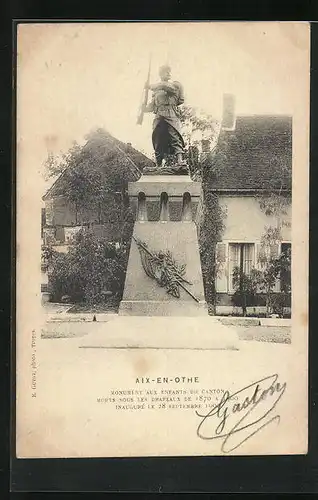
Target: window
(241,255)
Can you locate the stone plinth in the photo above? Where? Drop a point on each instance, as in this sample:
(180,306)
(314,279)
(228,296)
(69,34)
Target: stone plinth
(173,185)
(142,294)
(203,333)
(164,208)
(148,193)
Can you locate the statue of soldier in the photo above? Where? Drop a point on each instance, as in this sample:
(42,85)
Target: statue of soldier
(166,136)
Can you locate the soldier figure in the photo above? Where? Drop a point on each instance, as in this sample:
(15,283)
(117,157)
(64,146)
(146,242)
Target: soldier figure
(166,135)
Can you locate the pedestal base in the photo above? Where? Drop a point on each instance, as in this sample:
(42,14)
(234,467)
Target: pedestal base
(166,170)
(162,333)
(162,308)
(143,296)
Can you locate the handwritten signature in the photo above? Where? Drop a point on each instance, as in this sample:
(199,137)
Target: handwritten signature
(236,422)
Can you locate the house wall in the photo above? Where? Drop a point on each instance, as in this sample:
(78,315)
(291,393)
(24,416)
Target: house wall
(62,219)
(245,223)
(61,212)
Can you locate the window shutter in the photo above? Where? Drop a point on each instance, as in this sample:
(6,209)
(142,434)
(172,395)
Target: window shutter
(222,274)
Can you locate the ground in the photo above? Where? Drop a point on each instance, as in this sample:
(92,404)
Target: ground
(254,332)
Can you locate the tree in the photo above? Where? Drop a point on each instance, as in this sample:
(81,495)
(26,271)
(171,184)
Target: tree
(274,203)
(94,172)
(90,271)
(94,180)
(246,287)
(200,132)
(55,165)
(274,268)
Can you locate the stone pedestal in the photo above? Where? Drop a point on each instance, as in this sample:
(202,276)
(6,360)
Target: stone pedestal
(141,332)
(165,209)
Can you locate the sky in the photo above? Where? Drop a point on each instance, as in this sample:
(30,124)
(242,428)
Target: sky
(73,77)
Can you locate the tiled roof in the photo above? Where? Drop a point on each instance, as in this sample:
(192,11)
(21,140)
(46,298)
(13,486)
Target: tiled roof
(256,155)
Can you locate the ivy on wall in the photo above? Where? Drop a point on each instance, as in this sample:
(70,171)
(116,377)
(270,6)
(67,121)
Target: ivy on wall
(211,218)
(210,230)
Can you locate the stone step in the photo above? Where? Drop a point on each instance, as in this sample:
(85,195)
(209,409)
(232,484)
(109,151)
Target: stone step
(144,332)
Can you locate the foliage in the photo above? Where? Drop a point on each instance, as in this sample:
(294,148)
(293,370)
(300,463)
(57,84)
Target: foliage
(47,253)
(56,165)
(94,178)
(211,225)
(100,146)
(246,287)
(274,204)
(211,216)
(275,201)
(198,119)
(263,281)
(93,172)
(274,270)
(279,301)
(91,269)
(273,267)
(270,238)
(194,121)
(93,175)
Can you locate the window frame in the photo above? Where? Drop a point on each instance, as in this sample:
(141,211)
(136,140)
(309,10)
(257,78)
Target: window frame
(230,288)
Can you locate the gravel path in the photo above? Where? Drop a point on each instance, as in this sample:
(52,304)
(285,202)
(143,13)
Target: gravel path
(281,335)
(277,334)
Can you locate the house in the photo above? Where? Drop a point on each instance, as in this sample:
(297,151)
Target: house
(91,191)
(249,172)
(251,175)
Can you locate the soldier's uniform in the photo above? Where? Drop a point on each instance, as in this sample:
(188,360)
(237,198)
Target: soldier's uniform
(166,135)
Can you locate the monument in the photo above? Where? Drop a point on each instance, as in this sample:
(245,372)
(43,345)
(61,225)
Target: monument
(164,276)
(163,304)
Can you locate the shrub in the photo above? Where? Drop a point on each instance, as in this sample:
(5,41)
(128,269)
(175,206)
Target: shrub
(279,301)
(245,288)
(92,267)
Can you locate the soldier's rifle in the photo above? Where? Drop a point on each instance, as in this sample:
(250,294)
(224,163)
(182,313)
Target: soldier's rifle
(144,99)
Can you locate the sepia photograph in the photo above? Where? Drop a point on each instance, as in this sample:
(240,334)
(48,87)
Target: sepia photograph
(162,238)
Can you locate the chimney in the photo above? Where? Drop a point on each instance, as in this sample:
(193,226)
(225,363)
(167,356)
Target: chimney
(228,118)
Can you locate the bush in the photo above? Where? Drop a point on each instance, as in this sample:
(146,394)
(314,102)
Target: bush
(91,269)
(245,288)
(279,301)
